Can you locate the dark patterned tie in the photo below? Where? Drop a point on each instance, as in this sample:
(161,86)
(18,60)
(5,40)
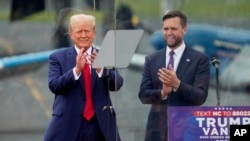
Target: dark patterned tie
(89,108)
(171,59)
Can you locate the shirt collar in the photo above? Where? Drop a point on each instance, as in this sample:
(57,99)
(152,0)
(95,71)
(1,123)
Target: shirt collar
(178,51)
(78,50)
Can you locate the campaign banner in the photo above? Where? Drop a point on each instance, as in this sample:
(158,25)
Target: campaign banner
(205,123)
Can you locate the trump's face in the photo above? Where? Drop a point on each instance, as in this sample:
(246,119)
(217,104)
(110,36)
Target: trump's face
(173,32)
(82,33)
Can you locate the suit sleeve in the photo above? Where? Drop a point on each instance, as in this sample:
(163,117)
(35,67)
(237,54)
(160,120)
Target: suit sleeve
(59,81)
(150,93)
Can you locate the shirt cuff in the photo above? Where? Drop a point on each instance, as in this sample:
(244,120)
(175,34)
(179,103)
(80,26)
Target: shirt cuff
(175,89)
(100,73)
(164,98)
(75,75)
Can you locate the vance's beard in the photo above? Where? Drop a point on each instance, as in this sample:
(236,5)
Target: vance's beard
(177,42)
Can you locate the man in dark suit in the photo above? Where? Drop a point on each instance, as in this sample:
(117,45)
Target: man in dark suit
(177,79)
(78,116)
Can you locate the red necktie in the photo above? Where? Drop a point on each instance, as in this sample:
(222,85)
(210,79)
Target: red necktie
(89,108)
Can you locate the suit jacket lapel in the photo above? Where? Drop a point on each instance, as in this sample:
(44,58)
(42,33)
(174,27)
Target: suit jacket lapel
(159,64)
(184,62)
(162,56)
(71,54)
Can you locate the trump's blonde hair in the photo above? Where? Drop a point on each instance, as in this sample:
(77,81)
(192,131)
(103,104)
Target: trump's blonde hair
(89,19)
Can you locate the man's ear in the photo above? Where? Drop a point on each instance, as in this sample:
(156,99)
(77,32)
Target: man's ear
(184,30)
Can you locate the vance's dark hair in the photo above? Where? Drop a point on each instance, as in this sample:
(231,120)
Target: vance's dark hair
(175,13)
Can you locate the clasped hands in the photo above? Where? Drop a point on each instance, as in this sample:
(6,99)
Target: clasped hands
(169,80)
(82,58)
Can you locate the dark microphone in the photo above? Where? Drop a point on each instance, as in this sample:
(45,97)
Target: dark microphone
(215,61)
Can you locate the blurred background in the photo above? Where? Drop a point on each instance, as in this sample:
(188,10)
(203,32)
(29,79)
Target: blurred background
(30,30)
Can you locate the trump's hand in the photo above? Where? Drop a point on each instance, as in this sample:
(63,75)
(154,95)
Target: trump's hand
(80,61)
(92,59)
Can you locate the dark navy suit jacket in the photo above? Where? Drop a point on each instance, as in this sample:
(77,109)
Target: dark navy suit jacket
(70,98)
(193,71)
